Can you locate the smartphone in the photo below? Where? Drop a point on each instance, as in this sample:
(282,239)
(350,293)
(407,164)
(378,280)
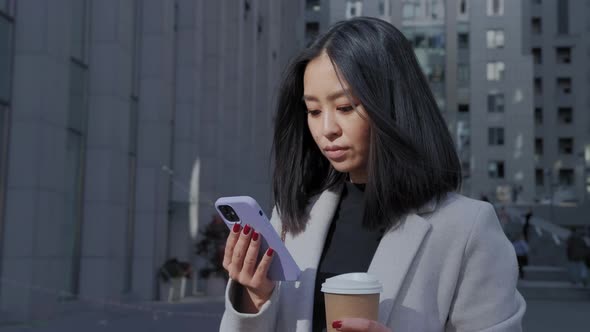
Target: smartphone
(245,210)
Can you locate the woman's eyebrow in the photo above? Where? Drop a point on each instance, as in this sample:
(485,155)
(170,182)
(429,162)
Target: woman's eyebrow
(332,96)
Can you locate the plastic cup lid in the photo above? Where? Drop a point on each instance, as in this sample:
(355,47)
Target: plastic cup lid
(352,283)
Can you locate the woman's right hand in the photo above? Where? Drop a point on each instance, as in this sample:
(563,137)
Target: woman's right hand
(240,258)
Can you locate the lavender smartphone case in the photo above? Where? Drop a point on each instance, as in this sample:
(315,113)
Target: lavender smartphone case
(283,266)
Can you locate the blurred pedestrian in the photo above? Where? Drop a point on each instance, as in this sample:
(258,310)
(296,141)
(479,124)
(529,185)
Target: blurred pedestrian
(522,255)
(504,217)
(577,250)
(527,224)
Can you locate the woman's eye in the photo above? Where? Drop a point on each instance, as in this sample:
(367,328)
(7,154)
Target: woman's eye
(313,112)
(346,108)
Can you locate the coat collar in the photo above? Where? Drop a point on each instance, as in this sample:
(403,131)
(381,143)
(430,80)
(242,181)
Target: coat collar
(394,257)
(391,262)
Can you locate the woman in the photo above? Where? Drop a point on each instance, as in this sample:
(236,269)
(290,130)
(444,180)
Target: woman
(364,181)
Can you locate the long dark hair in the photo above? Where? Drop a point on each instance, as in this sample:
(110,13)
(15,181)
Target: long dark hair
(412,159)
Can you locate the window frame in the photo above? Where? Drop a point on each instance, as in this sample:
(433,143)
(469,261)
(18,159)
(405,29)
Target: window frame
(496,71)
(495,38)
(500,171)
(493,98)
(496,136)
(490,8)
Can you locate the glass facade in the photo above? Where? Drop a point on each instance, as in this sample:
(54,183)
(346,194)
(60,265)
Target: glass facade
(423,25)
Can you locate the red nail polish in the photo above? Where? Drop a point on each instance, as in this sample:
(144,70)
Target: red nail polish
(337,324)
(269,252)
(254,236)
(236,228)
(247,229)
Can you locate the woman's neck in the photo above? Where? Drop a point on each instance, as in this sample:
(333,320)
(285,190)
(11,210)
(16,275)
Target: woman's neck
(357,178)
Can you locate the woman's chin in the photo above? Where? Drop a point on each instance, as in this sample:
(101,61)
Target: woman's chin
(342,167)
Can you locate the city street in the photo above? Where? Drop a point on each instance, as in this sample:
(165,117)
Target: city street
(204,315)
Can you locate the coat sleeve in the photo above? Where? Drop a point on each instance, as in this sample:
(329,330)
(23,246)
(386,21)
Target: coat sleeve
(264,320)
(486,298)
(234,321)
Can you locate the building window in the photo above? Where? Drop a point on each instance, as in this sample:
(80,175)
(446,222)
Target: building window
(538,86)
(536,25)
(539,177)
(563,55)
(495,7)
(566,145)
(496,136)
(462,7)
(565,115)
(409,11)
(495,102)
(463,108)
(496,169)
(495,38)
(563,17)
(354,9)
(463,40)
(382,7)
(538,115)
(538,147)
(496,71)
(566,177)
(313,5)
(564,85)
(463,73)
(537,56)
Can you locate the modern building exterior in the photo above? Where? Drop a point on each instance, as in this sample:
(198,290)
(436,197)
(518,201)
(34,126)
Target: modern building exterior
(501,106)
(557,34)
(110,111)
(473,56)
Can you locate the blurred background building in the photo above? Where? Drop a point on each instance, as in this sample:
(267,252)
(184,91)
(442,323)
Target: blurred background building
(504,74)
(109,110)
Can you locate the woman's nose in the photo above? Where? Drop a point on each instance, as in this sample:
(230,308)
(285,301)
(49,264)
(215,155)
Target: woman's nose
(330,126)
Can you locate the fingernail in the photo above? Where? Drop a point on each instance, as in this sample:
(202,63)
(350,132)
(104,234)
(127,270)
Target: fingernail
(236,228)
(337,324)
(254,236)
(247,229)
(269,252)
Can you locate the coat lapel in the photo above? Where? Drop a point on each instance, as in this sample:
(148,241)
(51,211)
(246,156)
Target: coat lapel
(390,264)
(300,294)
(393,258)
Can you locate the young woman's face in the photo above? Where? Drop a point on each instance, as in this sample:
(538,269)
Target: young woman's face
(340,132)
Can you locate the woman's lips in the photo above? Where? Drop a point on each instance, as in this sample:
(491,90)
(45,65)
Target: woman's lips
(336,155)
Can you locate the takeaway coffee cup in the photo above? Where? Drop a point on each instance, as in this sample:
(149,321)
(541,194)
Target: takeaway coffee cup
(351,295)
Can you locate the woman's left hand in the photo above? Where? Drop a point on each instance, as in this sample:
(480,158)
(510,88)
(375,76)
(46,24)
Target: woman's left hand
(359,325)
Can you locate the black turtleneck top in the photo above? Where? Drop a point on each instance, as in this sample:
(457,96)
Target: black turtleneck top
(349,246)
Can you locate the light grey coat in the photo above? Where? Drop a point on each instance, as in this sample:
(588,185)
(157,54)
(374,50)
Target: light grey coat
(448,267)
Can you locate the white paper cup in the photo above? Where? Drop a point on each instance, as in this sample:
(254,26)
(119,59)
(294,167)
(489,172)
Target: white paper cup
(351,295)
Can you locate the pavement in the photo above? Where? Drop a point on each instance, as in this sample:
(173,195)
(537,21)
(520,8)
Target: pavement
(204,315)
